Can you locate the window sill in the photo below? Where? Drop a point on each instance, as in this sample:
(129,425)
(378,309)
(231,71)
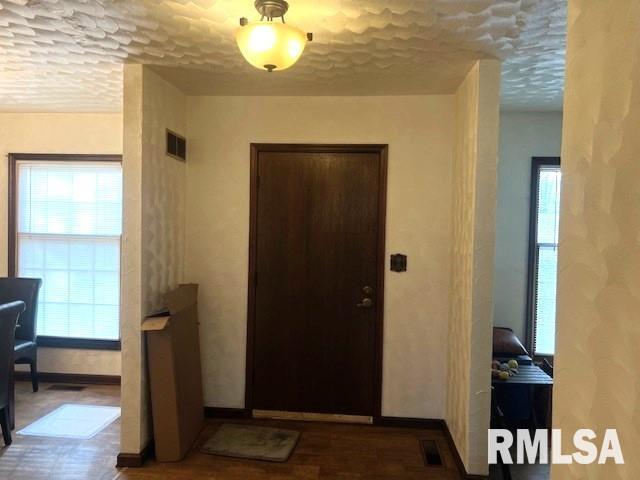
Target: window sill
(80,343)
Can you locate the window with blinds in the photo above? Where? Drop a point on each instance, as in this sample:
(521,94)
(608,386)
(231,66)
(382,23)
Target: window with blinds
(545,257)
(69,223)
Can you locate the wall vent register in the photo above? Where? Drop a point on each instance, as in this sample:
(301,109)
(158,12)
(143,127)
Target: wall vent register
(176,146)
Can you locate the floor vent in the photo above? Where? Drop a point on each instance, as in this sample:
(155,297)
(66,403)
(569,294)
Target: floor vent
(67,388)
(431,453)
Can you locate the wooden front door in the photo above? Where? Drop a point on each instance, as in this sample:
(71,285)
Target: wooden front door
(316,278)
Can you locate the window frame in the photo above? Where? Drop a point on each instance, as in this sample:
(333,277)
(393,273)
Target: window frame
(14,158)
(537,164)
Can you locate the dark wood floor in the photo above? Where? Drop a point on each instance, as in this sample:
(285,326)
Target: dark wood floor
(34,458)
(325,451)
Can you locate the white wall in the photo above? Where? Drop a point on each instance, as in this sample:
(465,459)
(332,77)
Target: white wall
(419,131)
(522,135)
(59,133)
(134,430)
(154,229)
(597,383)
(468,348)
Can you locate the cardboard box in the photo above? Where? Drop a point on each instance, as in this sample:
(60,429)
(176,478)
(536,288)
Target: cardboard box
(175,378)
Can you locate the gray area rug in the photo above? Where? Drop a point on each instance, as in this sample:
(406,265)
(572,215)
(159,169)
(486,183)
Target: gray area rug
(255,443)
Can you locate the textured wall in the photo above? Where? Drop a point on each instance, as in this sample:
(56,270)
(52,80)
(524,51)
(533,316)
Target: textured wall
(134,423)
(458,351)
(419,131)
(163,191)
(471,302)
(153,243)
(597,384)
(522,136)
(59,133)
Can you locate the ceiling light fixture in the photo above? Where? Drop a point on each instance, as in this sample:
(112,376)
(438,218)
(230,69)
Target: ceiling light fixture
(271,45)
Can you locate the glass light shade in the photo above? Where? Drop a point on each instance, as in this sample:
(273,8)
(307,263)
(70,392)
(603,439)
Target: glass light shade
(271,45)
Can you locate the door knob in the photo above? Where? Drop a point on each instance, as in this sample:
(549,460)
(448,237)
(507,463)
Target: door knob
(366,303)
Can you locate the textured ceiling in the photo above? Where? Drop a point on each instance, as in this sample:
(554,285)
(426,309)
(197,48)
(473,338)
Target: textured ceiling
(67,55)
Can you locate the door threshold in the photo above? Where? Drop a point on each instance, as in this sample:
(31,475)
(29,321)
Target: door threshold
(312,417)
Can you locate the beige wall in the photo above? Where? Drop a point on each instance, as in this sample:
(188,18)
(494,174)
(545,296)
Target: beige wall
(597,384)
(522,135)
(59,133)
(153,236)
(471,295)
(419,131)
(134,430)
(163,192)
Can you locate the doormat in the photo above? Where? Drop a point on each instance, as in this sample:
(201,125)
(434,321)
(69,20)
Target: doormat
(73,421)
(251,442)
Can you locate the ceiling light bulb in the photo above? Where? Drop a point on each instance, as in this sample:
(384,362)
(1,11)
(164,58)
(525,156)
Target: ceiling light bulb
(271,45)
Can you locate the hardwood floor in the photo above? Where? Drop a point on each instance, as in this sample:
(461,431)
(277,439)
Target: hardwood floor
(34,458)
(325,451)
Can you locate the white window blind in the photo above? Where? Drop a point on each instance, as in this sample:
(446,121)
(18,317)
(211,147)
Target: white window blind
(69,223)
(547,223)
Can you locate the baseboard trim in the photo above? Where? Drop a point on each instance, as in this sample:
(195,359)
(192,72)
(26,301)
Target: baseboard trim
(69,378)
(135,460)
(456,455)
(220,412)
(409,422)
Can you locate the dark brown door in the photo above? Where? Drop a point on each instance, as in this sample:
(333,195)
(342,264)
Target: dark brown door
(316,265)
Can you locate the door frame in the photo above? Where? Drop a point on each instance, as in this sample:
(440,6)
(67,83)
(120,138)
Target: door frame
(382,151)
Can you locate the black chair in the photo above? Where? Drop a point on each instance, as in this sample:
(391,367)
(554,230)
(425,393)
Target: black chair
(9,313)
(26,350)
(546,367)
(544,399)
(498,421)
